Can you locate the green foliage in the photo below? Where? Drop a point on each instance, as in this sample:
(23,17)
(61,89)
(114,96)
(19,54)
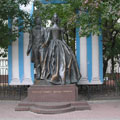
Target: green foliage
(66,15)
(100,15)
(46,12)
(10,9)
(94,16)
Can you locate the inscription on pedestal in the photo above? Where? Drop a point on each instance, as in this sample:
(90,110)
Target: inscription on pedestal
(53,93)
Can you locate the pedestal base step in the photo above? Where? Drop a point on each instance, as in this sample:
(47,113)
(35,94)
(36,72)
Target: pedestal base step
(52,107)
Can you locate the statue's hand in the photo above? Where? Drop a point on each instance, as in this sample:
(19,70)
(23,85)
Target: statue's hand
(28,52)
(44,45)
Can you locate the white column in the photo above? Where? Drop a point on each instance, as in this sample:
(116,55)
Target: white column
(15,64)
(95,60)
(27,80)
(83,60)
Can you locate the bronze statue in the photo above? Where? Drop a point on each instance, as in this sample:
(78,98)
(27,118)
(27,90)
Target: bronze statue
(54,60)
(60,65)
(36,41)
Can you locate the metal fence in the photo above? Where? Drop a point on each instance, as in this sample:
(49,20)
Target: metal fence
(110,89)
(9,92)
(3,71)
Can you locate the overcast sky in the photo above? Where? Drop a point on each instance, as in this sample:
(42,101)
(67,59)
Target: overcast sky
(28,7)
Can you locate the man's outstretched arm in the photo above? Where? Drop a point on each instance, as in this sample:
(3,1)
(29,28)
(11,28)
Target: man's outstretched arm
(30,43)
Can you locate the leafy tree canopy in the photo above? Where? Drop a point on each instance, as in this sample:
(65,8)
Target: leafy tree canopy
(93,17)
(65,13)
(9,9)
(101,15)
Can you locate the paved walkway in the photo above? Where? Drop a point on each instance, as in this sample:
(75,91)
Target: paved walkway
(101,110)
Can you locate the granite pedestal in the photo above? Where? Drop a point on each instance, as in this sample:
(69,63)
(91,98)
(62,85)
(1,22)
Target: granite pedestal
(52,99)
(58,93)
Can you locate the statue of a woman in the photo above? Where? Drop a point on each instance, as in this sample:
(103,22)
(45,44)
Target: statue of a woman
(60,65)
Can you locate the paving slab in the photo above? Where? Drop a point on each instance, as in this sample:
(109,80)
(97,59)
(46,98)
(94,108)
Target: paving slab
(100,110)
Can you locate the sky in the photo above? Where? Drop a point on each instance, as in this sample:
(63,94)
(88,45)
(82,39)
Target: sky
(28,7)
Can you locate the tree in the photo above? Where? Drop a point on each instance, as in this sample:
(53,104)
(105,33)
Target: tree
(94,17)
(9,9)
(100,17)
(65,13)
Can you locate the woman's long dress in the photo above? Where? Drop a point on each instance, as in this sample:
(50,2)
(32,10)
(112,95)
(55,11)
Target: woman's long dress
(60,65)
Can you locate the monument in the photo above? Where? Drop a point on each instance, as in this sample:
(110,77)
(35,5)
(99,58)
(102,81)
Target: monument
(57,72)
(36,41)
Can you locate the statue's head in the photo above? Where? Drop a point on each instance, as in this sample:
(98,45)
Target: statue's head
(38,21)
(55,18)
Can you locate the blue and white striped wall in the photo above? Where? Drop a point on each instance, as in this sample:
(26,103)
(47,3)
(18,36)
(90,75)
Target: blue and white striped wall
(89,58)
(19,64)
(88,52)
(20,68)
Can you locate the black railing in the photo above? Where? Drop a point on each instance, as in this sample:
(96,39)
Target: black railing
(3,71)
(13,92)
(110,89)
(9,92)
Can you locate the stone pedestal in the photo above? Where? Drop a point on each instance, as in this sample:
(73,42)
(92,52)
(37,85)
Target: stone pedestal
(52,99)
(57,93)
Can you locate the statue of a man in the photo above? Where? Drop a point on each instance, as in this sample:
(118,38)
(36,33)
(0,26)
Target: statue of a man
(36,43)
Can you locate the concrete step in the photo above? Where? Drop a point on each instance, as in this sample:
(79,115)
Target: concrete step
(52,107)
(80,105)
(46,105)
(51,111)
(22,108)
